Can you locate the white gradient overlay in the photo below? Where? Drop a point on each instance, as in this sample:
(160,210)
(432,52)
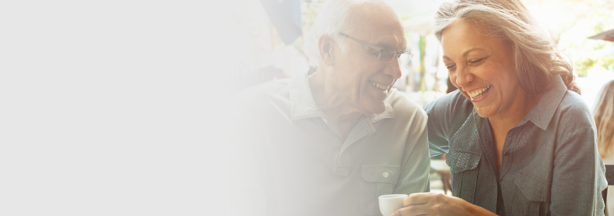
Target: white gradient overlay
(116,107)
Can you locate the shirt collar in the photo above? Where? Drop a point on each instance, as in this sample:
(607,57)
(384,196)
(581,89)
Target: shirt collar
(302,104)
(541,114)
(388,112)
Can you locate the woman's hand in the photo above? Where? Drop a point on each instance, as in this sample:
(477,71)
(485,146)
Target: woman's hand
(438,204)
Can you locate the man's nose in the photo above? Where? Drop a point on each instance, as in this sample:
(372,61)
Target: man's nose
(393,69)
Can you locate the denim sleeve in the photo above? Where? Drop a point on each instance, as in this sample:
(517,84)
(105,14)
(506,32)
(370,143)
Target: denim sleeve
(445,116)
(578,173)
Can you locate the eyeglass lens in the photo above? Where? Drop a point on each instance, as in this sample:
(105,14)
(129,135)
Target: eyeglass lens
(387,55)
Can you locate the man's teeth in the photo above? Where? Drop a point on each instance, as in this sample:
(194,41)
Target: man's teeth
(380,86)
(478,93)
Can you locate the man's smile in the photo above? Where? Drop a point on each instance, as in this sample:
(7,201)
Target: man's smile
(380,85)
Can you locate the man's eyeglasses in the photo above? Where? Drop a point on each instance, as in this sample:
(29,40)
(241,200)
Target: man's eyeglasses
(384,56)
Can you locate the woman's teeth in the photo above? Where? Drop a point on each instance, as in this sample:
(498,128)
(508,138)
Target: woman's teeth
(478,93)
(380,86)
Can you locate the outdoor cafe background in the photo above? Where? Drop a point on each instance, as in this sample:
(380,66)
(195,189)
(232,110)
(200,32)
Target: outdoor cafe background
(271,37)
(273,44)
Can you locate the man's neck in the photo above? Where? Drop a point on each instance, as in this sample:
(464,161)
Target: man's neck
(334,105)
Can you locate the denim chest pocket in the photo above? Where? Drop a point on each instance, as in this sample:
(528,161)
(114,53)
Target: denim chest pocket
(460,161)
(377,180)
(531,196)
(464,173)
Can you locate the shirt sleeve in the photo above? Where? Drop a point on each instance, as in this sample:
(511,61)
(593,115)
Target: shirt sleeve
(416,163)
(579,173)
(446,115)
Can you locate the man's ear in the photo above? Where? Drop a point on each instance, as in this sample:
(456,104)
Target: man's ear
(325,46)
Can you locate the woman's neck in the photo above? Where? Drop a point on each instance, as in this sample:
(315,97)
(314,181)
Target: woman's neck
(519,110)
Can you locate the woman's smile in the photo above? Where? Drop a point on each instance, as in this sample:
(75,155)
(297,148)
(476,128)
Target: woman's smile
(479,94)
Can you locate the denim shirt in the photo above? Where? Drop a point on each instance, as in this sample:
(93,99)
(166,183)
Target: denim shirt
(550,163)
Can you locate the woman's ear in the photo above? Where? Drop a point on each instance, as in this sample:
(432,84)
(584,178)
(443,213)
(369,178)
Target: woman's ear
(325,46)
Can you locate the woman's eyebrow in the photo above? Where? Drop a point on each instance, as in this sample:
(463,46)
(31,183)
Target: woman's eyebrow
(465,53)
(471,50)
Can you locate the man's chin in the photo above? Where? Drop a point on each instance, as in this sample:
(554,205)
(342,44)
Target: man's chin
(375,109)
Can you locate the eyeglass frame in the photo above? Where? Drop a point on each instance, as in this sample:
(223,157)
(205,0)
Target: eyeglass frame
(381,50)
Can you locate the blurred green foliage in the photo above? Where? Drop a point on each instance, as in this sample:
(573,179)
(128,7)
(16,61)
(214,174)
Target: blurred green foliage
(592,17)
(583,64)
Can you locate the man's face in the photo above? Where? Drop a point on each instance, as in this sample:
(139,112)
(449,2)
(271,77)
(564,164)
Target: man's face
(358,75)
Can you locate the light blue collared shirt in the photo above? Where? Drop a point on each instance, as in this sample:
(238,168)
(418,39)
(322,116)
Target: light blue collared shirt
(305,164)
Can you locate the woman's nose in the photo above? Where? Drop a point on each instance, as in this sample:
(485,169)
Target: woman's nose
(463,77)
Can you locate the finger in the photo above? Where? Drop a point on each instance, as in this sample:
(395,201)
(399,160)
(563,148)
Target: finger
(412,211)
(416,199)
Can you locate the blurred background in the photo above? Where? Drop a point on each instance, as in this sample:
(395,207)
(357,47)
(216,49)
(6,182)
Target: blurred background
(267,43)
(270,34)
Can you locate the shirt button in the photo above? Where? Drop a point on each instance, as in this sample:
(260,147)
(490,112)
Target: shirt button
(385,174)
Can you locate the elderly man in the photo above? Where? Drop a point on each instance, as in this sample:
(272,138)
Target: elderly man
(330,142)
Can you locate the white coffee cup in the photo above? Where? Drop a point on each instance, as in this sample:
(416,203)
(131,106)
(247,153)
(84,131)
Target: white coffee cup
(390,202)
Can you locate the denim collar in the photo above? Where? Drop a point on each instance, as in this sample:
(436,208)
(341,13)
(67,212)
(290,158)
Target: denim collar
(543,112)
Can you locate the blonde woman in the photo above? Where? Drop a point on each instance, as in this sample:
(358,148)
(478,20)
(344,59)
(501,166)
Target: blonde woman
(604,119)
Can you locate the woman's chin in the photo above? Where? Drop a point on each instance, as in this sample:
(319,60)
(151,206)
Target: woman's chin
(482,112)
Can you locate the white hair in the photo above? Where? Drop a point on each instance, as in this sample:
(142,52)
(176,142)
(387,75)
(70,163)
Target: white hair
(332,19)
(536,58)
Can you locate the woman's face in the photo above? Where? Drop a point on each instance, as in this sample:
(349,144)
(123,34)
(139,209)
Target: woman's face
(482,68)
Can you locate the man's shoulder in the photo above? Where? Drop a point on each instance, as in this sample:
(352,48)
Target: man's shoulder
(405,108)
(263,100)
(265,92)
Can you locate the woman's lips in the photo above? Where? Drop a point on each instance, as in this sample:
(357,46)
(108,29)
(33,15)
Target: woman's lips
(478,93)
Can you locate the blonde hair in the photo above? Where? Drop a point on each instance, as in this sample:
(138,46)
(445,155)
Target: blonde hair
(535,57)
(604,119)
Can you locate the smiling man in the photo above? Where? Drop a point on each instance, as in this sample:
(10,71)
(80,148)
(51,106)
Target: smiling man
(332,140)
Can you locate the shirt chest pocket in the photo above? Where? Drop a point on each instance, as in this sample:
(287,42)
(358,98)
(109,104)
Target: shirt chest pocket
(464,173)
(460,161)
(531,196)
(377,180)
